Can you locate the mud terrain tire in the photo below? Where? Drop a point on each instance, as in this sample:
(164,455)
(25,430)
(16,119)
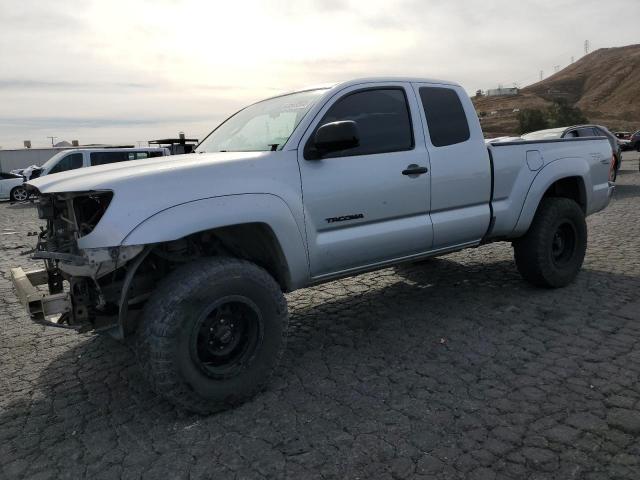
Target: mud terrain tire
(552,251)
(212,334)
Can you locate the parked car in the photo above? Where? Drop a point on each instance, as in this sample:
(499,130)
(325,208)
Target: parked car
(88,157)
(622,135)
(582,131)
(624,144)
(12,188)
(634,141)
(393,170)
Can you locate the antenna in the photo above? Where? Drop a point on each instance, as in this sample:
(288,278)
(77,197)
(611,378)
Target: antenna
(587,47)
(52,139)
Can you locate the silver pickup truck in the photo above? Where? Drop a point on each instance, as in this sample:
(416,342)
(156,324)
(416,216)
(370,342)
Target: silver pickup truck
(192,253)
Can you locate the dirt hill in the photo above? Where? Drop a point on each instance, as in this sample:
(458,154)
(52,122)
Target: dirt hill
(604,84)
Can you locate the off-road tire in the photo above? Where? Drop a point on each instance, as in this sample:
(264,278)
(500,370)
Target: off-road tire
(534,253)
(170,318)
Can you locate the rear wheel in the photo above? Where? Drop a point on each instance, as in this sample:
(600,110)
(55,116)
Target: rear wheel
(213,334)
(18,194)
(551,253)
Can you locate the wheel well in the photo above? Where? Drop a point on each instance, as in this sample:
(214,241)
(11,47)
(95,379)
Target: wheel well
(569,187)
(255,242)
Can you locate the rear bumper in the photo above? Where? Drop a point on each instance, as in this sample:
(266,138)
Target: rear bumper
(43,308)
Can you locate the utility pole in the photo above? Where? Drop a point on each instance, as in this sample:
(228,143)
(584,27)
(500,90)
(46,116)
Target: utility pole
(52,139)
(541,75)
(556,68)
(587,47)
(572,59)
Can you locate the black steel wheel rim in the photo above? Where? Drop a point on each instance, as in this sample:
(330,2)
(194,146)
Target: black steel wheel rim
(226,337)
(563,244)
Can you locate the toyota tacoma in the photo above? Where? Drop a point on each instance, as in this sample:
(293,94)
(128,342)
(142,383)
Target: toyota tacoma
(191,255)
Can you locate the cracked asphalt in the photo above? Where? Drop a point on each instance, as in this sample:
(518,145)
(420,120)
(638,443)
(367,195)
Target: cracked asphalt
(451,369)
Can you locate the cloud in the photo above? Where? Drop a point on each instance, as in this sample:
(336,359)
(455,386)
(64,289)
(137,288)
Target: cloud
(143,67)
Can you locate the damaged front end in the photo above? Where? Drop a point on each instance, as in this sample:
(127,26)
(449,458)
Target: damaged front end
(84,285)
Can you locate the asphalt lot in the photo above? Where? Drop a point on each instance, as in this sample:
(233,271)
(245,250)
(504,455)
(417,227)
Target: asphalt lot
(455,369)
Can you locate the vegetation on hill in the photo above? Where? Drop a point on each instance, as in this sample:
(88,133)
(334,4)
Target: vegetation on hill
(604,86)
(559,114)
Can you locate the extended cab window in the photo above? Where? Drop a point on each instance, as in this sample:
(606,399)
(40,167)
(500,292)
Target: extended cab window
(445,115)
(70,162)
(102,158)
(382,119)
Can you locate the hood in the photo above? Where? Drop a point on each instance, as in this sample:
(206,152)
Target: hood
(108,177)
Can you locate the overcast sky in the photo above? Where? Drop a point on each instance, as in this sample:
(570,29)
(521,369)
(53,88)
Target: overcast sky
(128,70)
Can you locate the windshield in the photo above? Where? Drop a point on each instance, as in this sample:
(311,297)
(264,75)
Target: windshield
(53,160)
(263,126)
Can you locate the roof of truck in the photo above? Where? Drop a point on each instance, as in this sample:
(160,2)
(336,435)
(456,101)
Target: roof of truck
(357,81)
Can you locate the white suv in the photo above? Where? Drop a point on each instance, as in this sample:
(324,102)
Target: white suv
(80,158)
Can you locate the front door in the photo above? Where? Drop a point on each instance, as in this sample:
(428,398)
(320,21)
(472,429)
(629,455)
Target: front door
(368,204)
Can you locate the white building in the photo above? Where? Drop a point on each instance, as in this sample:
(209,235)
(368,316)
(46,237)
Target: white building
(25,157)
(494,92)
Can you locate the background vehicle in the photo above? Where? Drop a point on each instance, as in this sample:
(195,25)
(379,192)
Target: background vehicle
(622,135)
(582,131)
(634,141)
(80,158)
(393,170)
(11,187)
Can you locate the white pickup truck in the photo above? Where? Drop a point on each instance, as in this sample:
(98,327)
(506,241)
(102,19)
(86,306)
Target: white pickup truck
(192,253)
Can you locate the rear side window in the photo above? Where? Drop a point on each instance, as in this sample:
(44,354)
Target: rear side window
(446,119)
(70,162)
(588,132)
(102,158)
(382,117)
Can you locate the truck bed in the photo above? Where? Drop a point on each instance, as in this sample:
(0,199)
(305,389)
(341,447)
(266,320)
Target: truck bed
(518,165)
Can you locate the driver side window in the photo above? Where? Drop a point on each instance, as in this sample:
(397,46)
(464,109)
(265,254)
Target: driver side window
(382,119)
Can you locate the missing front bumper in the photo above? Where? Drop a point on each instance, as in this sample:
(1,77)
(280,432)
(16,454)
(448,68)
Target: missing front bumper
(43,308)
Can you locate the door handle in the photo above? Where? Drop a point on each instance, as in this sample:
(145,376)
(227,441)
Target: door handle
(414,169)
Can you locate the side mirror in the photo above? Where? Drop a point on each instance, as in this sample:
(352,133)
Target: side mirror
(336,136)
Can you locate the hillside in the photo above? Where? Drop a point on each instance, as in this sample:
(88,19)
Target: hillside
(605,85)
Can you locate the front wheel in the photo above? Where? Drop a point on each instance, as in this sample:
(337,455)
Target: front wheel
(18,194)
(212,334)
(552,251)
